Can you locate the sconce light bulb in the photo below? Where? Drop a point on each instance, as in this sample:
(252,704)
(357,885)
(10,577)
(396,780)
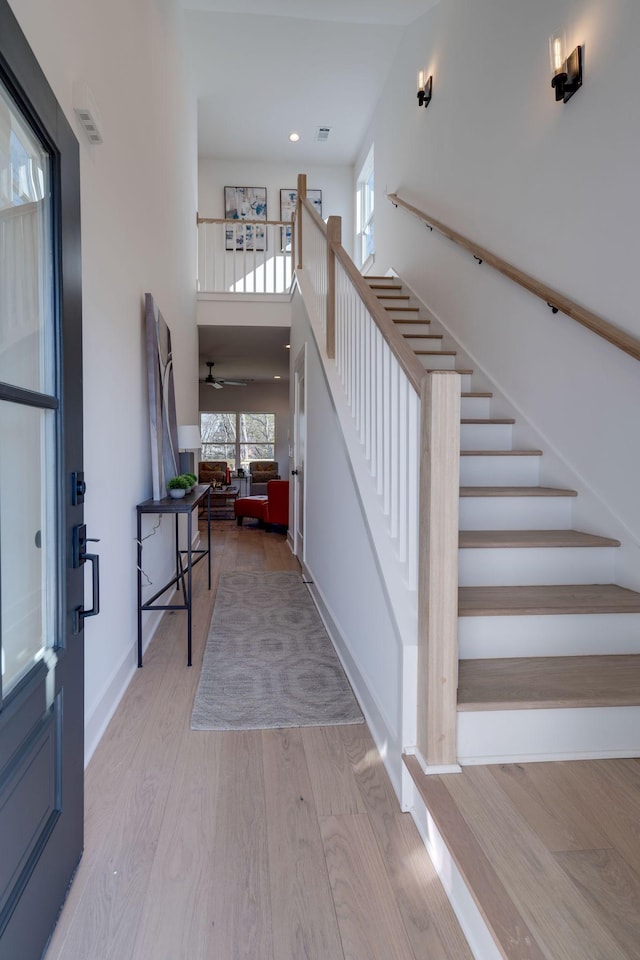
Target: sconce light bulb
(420,79)
(557,54)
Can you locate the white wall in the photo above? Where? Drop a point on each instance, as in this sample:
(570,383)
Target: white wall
(550,187)
(255,398)
(139,193)
(340,559)
(336,183)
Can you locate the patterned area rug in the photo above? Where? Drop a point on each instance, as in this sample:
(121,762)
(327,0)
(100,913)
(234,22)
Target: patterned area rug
(268,661)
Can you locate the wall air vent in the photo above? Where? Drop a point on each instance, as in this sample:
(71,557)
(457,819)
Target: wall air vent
(87,112)
(322,134)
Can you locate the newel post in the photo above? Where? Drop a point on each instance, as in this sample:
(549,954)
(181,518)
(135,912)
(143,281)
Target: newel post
(302,195)
(334,236)
(438,569)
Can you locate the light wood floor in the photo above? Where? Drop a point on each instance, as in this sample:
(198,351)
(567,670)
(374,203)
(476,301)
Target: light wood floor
(257,845)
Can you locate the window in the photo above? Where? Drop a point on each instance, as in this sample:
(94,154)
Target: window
(238,438)
(364,213)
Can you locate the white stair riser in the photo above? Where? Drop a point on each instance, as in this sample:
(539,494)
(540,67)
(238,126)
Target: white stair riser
(486,436)
(518,736)
(438,363)
(418,343)
(569,635)
(511,567)
(407,327)
(475,408)
(499,471)
(516,513)
(405,316)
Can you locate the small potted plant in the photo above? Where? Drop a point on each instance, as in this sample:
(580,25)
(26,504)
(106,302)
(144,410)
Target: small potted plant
(178,486)
(192,479)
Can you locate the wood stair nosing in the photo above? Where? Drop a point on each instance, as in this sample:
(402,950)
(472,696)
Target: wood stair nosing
(515,539)
(547,599)
(394,296)
(549,682)
(516,492)
(504,920)
(424,336)
(435,353)
(477,394)
(403,309)
(462,373)
(509,421)
(420,320)
(501,453)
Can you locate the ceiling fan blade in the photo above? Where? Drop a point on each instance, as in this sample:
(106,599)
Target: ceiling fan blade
(234,383)
(217,384)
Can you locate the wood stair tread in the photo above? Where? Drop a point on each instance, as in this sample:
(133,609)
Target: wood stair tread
(435,353)
(487,539)
(516,492)
(393,296)
(403,309)
(500,453)
(414,321)
(477,393)
(424,336)
(563,599)
(440,370)
(507,420)
(549,682)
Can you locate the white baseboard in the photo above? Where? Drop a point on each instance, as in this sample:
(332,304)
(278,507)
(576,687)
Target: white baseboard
(384,736)
(478,935)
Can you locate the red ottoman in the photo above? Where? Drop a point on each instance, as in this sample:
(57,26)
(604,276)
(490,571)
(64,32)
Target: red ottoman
(254,507)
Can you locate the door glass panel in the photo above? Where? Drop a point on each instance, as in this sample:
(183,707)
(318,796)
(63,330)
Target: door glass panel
(27,539)
(26,329)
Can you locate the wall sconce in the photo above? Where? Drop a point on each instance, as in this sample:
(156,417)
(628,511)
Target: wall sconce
(567,70)
(424,89)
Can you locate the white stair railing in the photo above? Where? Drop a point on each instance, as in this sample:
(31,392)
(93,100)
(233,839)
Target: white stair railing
(244,256)
(407,424)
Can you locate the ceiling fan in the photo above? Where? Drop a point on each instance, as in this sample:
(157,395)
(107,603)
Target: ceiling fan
(218,383)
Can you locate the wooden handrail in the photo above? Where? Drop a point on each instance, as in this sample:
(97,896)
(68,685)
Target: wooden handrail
(405,356)
(557,301)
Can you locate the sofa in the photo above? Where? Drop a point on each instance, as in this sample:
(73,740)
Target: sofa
(272,509)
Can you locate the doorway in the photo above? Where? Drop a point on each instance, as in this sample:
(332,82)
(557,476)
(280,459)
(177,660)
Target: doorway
(41,494)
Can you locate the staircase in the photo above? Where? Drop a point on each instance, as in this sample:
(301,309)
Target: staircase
(549,645)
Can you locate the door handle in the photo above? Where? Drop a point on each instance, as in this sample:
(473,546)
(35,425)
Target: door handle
(80,556)
(294,473)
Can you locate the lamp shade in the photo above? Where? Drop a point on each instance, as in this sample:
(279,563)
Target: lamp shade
(189,438)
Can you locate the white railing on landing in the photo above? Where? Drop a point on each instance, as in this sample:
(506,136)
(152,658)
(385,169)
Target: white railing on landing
(407,427)
(244,256)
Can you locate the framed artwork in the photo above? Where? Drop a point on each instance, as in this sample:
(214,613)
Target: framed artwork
(288,201)
(162,402)
(245,203)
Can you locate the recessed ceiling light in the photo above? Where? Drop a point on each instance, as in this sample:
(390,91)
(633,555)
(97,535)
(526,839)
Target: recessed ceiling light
(277,377)
(287,346)
(294,137)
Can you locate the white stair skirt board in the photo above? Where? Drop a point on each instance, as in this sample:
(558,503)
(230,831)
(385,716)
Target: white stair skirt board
(535,565)
(516,513)
(505,471)
(475,407)
(530,736)
(478,935)
(571,635)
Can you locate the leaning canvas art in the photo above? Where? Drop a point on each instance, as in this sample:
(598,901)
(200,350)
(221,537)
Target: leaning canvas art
(162,402)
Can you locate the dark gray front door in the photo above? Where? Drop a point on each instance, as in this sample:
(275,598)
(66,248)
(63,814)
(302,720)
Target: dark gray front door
(41,582)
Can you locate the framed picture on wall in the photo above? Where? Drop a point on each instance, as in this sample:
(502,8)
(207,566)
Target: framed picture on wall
(250,204)
(288,202)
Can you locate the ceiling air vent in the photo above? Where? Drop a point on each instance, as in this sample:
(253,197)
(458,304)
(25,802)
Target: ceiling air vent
(322,134)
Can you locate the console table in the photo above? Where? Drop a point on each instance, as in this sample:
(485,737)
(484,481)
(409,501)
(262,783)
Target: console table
(186,505)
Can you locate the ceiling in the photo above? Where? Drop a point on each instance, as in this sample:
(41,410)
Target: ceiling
(263,68)
(255,353)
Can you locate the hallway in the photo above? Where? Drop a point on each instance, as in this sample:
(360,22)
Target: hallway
(257,845)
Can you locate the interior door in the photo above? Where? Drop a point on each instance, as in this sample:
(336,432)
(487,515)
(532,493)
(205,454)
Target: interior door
(41,575)
(300,436)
